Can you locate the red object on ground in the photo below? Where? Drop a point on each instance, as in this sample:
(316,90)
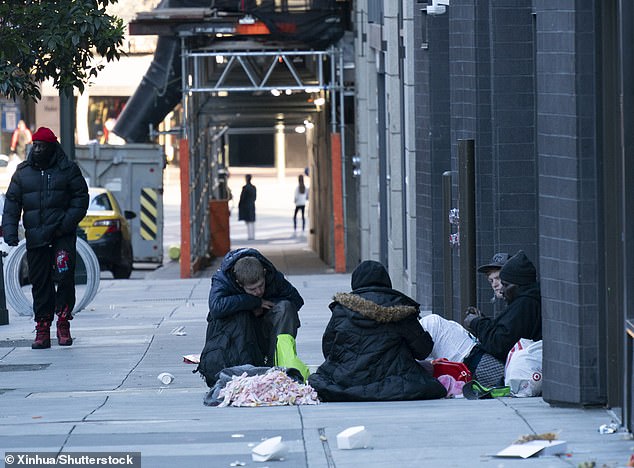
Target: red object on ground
(458,370)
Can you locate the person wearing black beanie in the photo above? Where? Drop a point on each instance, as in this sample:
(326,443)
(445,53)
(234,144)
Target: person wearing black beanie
(483,343)
(518,270)
(522,318)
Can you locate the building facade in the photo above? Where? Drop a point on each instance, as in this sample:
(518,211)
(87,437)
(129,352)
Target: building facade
(539,90)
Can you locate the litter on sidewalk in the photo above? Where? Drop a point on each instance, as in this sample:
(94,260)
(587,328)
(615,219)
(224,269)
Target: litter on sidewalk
(191,359)
(165,378)
(608,428)
(355,437)
(179,331)
(534,447)
(260,387)
(535,444)
(271,449)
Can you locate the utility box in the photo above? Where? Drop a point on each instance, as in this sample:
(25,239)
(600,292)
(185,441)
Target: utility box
(134,174)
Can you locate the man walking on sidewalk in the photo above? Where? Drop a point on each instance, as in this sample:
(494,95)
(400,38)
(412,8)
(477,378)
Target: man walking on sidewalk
(253,316)
(49,189)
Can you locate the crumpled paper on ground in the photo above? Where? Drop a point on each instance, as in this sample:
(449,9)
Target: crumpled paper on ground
(273,388)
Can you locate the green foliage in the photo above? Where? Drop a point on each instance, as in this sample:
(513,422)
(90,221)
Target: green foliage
(55,39)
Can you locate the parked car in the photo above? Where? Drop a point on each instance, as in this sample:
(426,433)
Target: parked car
(108,232)
(7,168)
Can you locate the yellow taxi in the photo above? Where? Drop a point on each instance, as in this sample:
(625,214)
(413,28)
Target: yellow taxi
(108,232)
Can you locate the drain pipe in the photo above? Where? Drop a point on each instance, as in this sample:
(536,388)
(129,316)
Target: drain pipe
(447,270)
(466,205)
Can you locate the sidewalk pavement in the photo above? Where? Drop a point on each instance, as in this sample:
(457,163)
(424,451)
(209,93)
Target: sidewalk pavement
(102,393)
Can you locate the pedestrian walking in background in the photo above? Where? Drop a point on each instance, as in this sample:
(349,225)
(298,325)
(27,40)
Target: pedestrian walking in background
(246,206)
(372,344)
(49,190)
(301,198)
(253,316)
(20,138)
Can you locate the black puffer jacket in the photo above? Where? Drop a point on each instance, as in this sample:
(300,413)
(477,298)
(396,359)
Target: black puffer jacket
(231,338)
(227,297)
(371,344)
(522,318)
(54,201)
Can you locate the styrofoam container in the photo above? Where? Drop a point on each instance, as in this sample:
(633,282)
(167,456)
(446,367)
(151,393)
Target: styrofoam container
(270,449)
(353,438)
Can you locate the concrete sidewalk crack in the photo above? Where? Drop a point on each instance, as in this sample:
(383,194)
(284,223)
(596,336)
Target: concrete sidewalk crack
(301,421)
(147,349)
(326,446)
(72,429)
(516,411)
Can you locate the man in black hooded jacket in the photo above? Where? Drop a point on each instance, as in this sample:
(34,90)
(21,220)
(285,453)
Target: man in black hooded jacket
(372,342)
(253,316)
(51,191)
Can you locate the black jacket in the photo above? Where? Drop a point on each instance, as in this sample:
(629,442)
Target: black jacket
(522,318)
(227,297)
(246,205)
(232,338)
(54,201)
(371,345)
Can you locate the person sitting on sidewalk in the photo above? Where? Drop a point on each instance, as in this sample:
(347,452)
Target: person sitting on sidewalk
(448,333)
(492,272)
(483,343)
(253,316)
(372,342)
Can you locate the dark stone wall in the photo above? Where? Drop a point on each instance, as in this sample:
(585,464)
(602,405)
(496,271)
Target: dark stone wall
(521,78)
(568,199)
(433,154)
(479,66)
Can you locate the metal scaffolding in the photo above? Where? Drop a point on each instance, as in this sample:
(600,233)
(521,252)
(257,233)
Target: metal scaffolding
(245,78)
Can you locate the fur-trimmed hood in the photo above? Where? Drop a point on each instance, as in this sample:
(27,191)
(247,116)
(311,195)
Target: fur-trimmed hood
(372,310)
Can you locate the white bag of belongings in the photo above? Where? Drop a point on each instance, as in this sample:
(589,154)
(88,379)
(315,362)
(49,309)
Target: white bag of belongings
(523,371)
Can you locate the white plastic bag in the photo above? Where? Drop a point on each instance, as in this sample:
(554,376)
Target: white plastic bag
(523,371)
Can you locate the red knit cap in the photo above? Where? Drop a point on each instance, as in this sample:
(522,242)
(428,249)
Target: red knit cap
(44,134)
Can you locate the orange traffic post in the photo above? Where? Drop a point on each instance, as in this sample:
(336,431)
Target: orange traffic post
(183,152)
(337,203)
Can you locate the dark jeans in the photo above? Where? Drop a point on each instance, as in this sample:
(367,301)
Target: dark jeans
(50,265)
(299,208)
(282,319)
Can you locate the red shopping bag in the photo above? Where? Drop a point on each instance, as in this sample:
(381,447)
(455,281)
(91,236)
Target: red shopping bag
(458,370)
